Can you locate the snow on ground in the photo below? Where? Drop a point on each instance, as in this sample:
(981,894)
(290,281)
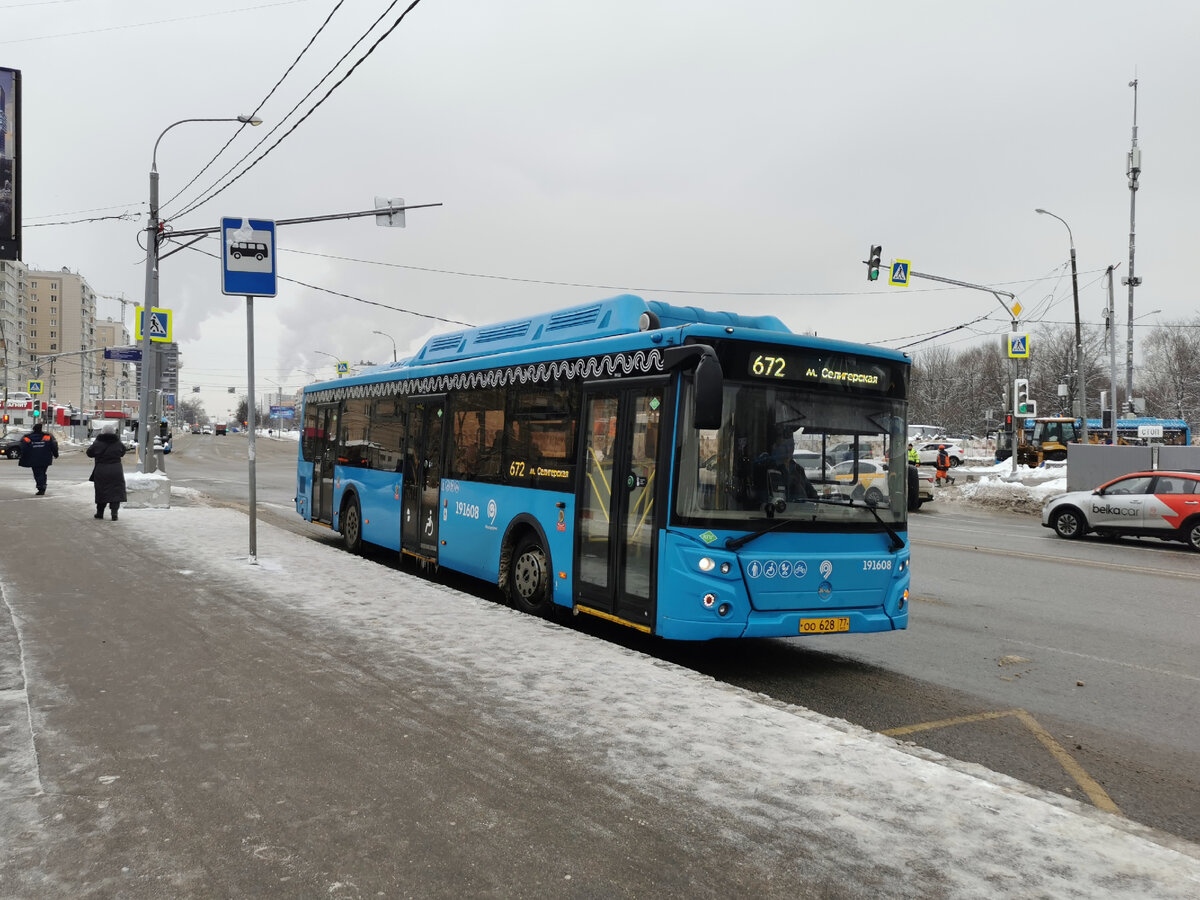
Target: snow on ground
(721,753)
(996,485)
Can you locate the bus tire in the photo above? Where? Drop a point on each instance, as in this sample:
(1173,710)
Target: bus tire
(529,577)
(1191,533)
(350,523)
(1069,523)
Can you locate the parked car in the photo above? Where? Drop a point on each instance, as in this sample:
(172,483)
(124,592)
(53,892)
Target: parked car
(871,484)
(10,445)
(844,450)
(810,461)
(1164,505)
(920,486)
(928,452)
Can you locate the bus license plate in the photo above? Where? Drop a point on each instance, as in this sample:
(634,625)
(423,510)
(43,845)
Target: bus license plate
(824,626)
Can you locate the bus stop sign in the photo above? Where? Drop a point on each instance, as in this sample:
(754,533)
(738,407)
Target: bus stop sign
(248,257)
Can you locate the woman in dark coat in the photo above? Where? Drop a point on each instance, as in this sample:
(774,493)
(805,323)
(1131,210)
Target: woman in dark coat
(108,474)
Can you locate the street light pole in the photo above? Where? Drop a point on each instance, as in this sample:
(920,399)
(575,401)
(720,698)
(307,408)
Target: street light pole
(390,338)
(146,463)
(1079,371)
(334,358)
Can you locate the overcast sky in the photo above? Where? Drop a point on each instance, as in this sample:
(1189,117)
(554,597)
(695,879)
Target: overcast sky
(736,156)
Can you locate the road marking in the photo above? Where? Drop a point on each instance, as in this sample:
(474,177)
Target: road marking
(1089,563)
(1104,659)
(1087,784)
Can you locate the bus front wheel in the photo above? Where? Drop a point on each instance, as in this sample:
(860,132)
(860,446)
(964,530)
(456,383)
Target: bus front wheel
(351,526)
(529,580)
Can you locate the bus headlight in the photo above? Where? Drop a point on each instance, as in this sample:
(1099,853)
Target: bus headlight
(707,564)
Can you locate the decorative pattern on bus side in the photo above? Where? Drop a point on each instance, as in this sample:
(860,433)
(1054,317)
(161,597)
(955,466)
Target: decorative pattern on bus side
(608,366)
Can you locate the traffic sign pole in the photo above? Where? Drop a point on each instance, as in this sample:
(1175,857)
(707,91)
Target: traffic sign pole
(250,423)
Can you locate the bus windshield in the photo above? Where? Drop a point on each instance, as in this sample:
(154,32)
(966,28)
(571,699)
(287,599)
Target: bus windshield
(793,452)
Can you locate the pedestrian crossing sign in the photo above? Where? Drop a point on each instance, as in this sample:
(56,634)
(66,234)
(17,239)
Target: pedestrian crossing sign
(35,387)
(160,324)
(1018,346)
(899,276)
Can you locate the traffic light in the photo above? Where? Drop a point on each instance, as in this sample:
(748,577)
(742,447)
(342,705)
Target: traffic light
(1022,405)
(873,262)
(6,418)
(37,410)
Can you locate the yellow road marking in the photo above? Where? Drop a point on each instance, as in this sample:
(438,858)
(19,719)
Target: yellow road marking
(1087,784)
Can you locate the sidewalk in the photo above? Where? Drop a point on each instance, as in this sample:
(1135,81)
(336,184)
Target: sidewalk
(321,725)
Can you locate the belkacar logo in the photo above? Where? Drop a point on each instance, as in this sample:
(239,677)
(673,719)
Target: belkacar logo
(1113,510)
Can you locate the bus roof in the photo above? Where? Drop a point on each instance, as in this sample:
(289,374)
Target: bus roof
(624,314)
(617,315)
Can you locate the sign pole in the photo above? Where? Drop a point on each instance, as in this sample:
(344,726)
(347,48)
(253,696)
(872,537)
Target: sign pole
(251,425)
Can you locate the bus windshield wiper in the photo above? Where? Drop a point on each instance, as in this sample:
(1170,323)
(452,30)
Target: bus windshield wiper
(897,541)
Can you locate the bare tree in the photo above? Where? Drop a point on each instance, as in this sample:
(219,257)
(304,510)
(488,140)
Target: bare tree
(1170,374)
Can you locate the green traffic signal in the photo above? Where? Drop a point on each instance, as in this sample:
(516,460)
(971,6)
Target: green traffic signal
(873,262)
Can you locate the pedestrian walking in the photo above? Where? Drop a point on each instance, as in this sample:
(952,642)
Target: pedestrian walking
(39,449)
(108,475)
(943,465)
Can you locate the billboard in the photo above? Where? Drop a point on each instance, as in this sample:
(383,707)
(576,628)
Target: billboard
(10,161)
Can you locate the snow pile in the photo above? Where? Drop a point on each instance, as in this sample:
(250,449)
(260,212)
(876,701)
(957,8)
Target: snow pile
(998,487)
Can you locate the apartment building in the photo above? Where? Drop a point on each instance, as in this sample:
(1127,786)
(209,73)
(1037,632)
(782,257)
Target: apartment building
(12,325)
(60,331)
(115,380)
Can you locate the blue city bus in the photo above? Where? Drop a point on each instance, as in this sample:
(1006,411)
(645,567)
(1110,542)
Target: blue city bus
(635,461)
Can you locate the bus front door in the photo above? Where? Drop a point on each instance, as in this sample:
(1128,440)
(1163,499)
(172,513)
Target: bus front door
(324,459)
(422,477)
(616,529)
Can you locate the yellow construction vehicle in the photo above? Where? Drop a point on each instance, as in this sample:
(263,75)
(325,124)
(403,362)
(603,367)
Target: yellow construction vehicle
(1049,440)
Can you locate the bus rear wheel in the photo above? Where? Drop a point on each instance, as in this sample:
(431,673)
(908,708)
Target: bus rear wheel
(529,579)
(351,522)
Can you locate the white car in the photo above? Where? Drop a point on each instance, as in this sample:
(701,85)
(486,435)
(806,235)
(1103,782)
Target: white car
(928,451)
(207,429)
(1165,505)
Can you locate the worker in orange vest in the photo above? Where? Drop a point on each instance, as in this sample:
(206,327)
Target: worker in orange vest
(943,465)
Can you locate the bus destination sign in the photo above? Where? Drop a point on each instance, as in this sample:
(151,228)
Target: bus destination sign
(785,364)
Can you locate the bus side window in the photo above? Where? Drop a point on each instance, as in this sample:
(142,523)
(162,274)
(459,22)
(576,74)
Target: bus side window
(387,435)
(478,415)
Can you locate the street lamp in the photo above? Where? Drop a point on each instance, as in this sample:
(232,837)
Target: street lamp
(390,338)
(1078,331)
(152,289)
(331,356)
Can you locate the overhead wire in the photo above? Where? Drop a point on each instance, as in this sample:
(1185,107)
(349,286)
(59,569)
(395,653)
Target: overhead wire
(626,287)
(317,287)
(261,103)
(208,15)
(205,198)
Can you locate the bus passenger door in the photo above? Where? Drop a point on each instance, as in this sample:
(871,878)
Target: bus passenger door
(324,459)
(422,475)
(617,521)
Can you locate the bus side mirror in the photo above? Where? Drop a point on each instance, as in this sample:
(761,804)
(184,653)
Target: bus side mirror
(709,387)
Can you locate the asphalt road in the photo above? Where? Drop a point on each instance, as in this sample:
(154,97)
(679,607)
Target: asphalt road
(1070,665)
